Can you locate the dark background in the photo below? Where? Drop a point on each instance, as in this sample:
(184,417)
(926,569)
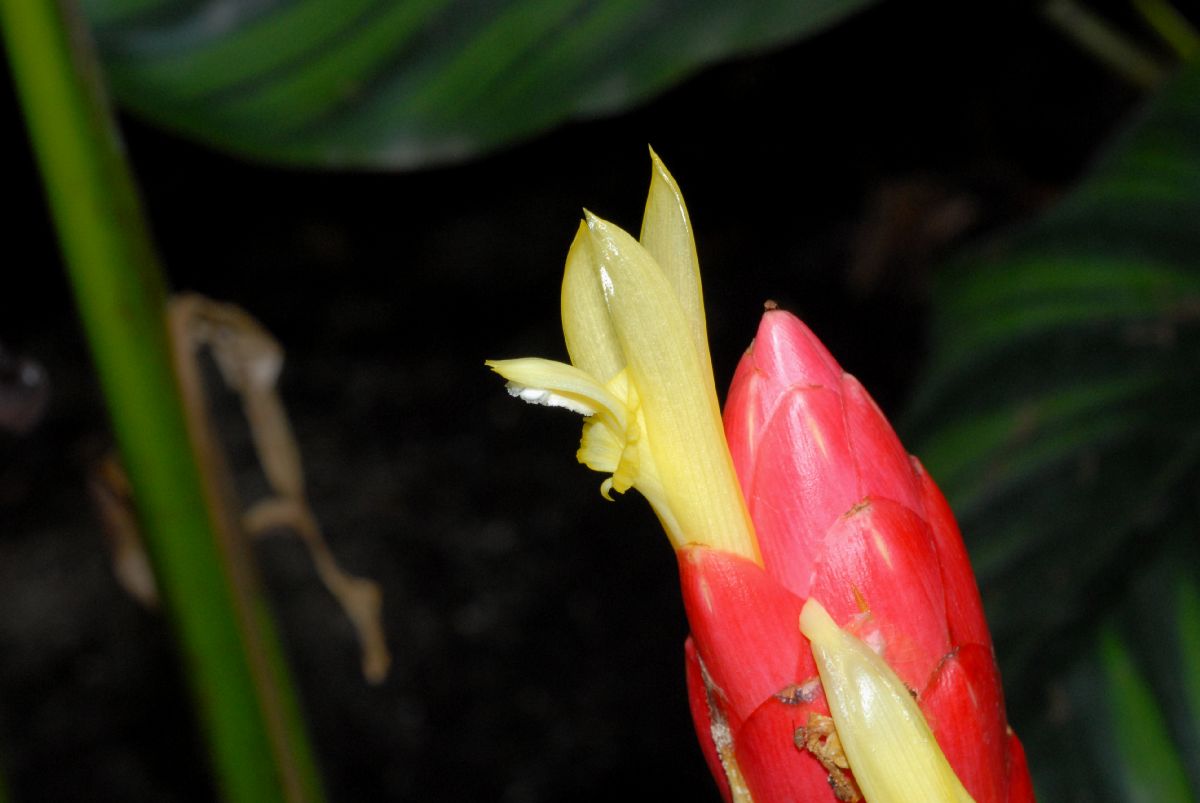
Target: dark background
(536,629)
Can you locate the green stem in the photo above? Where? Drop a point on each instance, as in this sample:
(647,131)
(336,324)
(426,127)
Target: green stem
(230,651)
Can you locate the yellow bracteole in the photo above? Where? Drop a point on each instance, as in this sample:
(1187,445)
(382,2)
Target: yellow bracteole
(888,744)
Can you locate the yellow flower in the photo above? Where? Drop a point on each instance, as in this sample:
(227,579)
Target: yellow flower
(633,319)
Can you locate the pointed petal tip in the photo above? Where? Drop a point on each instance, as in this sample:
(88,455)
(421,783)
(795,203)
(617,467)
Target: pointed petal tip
(609,241)
(660,175)
(656,164)
(607,238)
(591,222)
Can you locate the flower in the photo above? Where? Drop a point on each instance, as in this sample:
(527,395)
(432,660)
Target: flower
(838,645)
(633,320)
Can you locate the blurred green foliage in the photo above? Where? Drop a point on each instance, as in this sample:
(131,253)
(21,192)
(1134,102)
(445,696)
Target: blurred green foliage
(1060,416)
(401,83)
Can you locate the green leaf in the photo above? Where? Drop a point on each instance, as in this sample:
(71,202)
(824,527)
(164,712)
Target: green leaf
(1161,623)
(1061,417)
(1122,723)
(399,83)
(1148,768)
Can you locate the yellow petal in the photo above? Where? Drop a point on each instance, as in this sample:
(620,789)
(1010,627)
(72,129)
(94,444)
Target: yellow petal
(627,456)
(556,384)
(591,341)
(667,235)
(889,746)
(605,450)
(674,386)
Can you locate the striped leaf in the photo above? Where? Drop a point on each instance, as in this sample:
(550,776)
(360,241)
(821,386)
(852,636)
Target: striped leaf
(400,83)
(1061,416)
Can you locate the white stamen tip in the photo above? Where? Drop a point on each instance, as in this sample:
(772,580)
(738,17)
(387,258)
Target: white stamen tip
(548,398)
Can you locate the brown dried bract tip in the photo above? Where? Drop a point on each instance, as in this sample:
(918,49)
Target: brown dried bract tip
(797,693)
(770,304)
(820,738)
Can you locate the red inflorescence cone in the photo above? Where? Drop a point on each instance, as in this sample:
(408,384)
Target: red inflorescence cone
(843,515)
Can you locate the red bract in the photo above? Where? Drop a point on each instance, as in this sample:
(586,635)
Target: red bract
(843,515)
